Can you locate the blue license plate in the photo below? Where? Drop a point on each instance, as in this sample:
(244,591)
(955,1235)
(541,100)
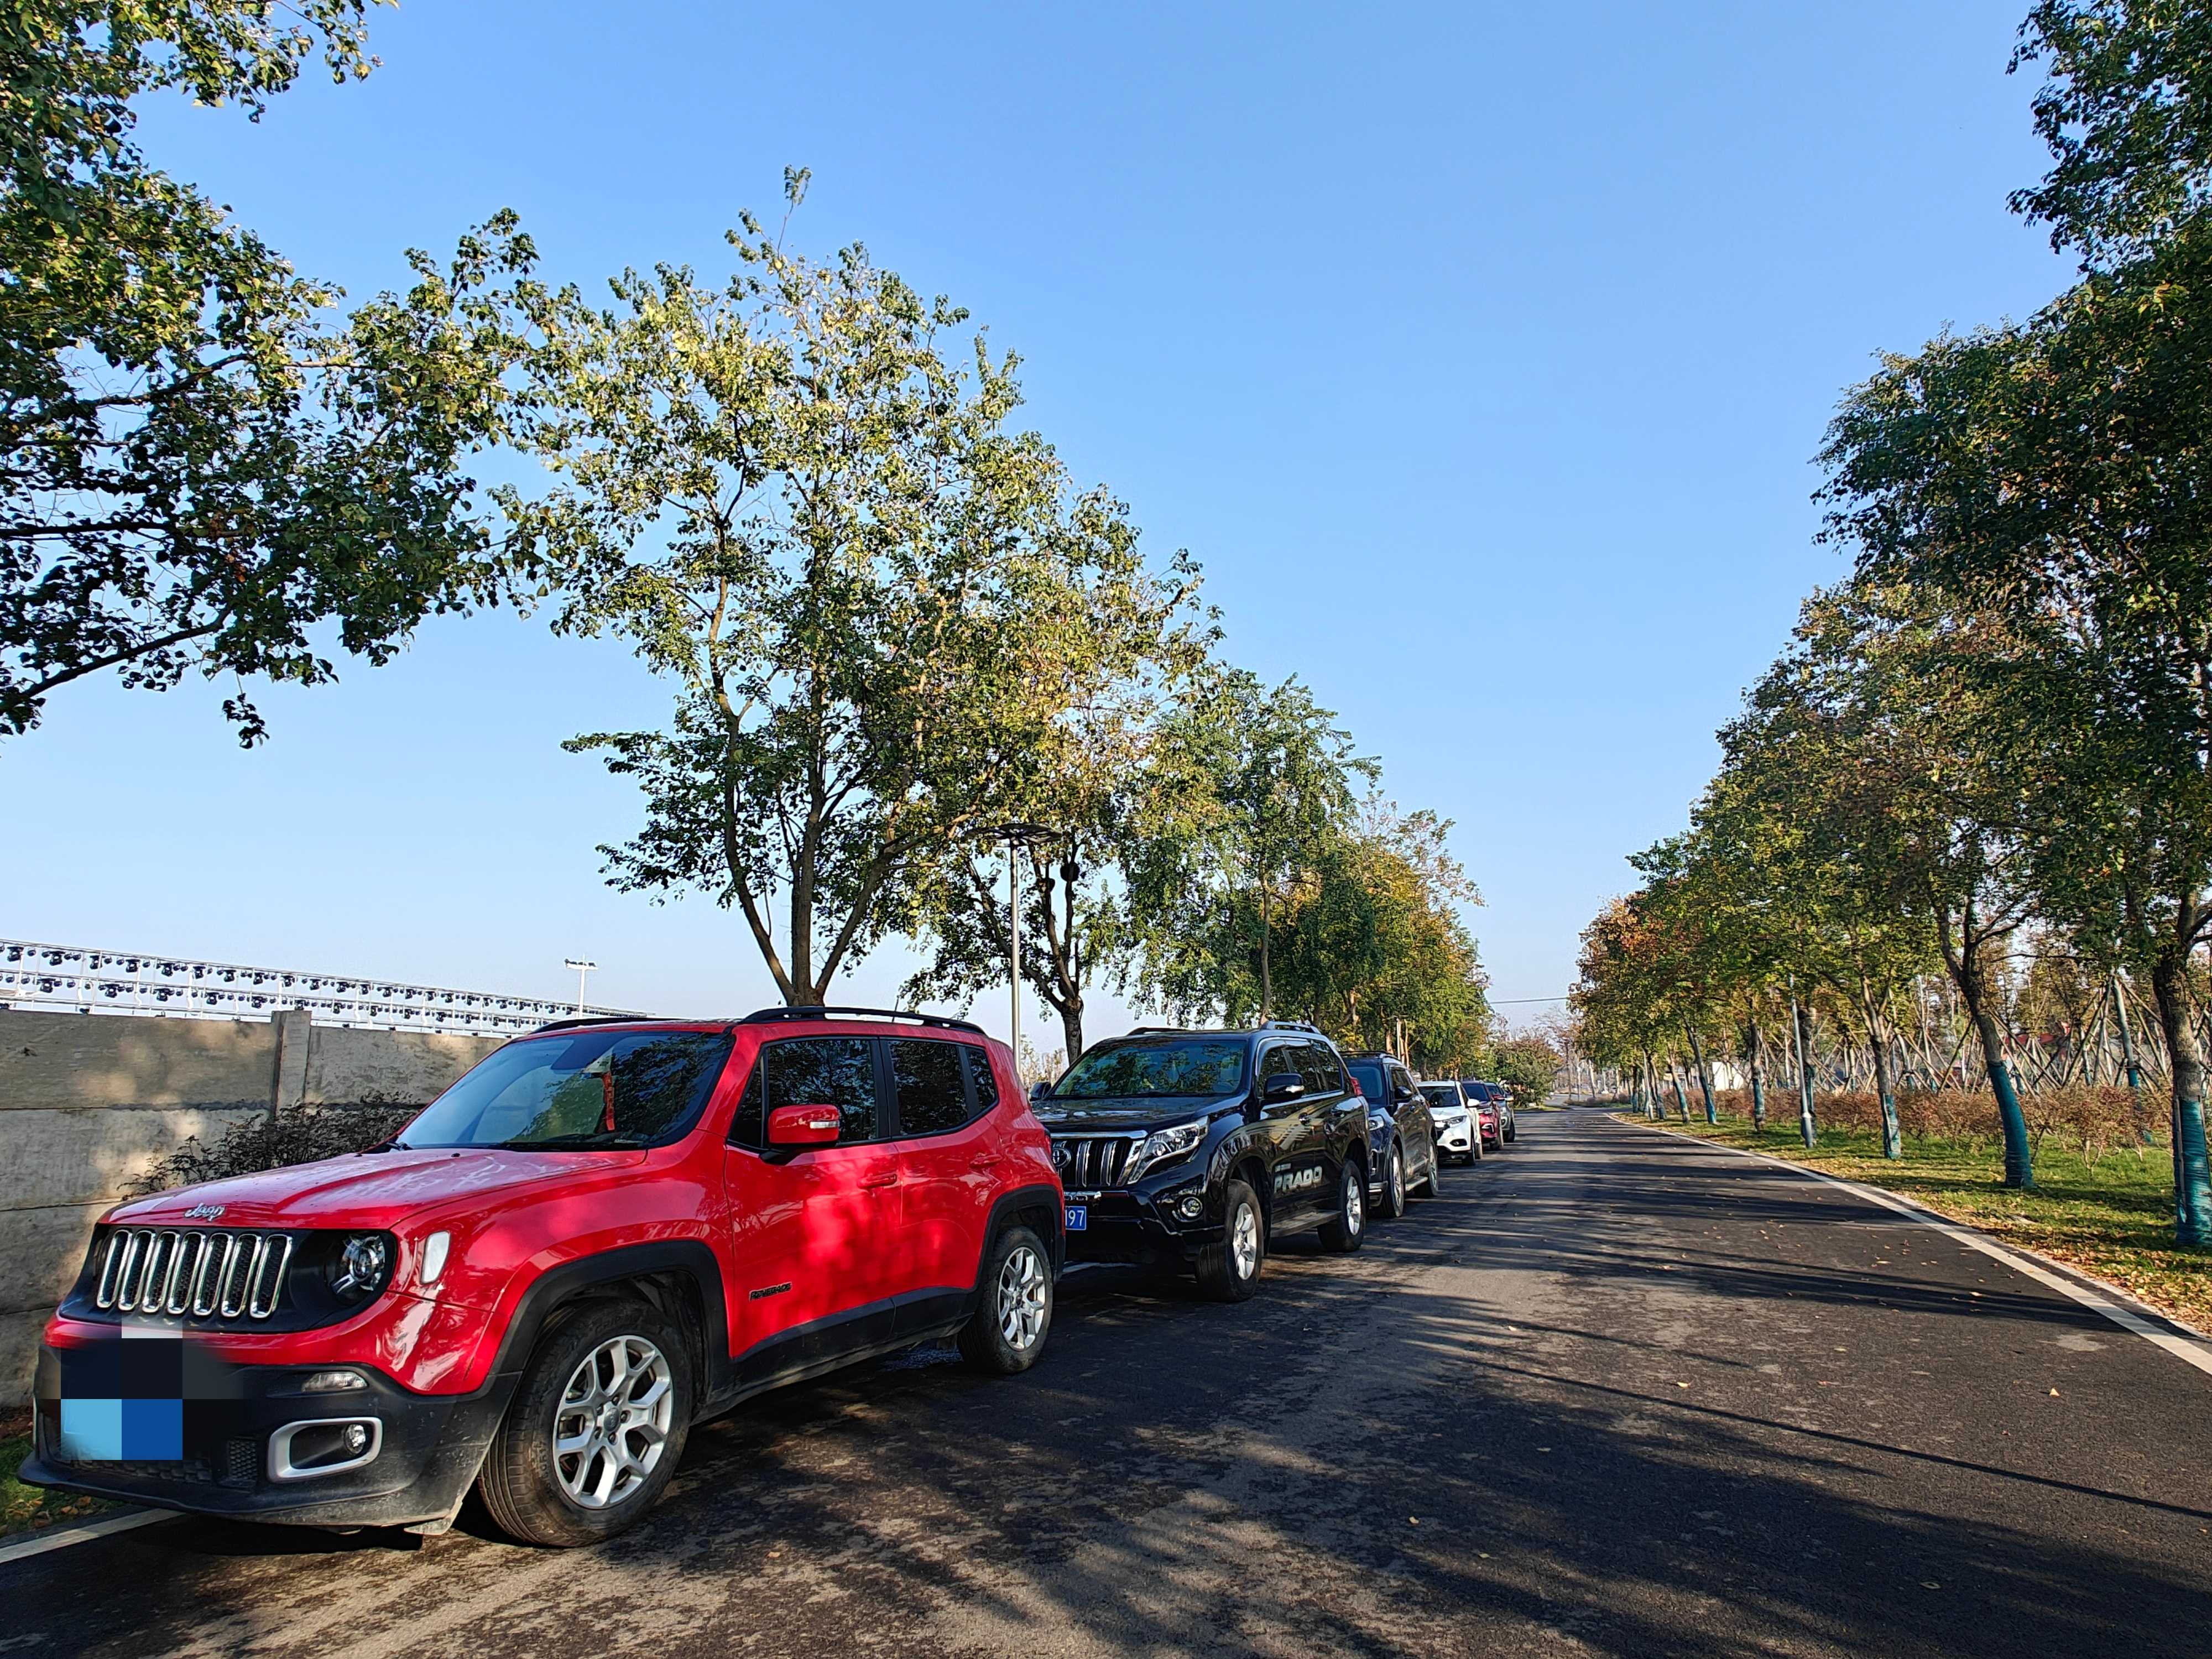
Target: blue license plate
(1078,1217)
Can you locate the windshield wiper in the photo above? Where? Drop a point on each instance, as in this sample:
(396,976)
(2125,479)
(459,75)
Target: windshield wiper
(389,1147)
(596,1140)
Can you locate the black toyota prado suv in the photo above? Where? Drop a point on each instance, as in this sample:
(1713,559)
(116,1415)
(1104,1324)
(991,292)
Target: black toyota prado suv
(1192,1149)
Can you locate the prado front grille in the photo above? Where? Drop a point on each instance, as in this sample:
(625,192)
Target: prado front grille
(1089,1163)
(198,1273)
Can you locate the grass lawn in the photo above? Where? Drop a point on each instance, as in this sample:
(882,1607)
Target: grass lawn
(30,1508)
(2111,1216)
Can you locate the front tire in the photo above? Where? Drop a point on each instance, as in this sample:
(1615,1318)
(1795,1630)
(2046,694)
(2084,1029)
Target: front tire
(1433,1188)
(1393,1185)
(1006,1335)
(1229,1271)
(1474,1144)
(1347,1230)
(595,1430)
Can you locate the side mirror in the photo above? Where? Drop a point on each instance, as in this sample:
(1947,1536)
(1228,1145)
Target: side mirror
(1040,1089)
(1284,1086)
(805,1126)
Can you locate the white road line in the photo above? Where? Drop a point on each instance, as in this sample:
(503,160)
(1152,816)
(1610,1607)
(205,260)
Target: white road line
(2181,1347)
(65,1536)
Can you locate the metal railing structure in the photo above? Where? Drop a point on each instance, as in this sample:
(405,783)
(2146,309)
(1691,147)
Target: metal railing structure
(65,978)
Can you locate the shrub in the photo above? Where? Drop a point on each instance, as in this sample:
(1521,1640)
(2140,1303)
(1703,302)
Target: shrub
(2094,1121)
(300,1134)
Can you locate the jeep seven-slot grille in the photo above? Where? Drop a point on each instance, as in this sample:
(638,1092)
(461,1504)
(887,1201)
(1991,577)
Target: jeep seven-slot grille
(205,1272)
(1090,1162)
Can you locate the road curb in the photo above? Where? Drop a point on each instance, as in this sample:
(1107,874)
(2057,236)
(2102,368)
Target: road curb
(2123,1307)
(80,1532)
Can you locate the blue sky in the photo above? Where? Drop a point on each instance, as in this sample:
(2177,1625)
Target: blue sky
(1479,353)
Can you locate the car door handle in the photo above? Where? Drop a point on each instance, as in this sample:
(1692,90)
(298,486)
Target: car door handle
(984,1161)
(887,1178)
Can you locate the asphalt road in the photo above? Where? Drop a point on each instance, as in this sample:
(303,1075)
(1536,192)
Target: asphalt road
(1614,1394)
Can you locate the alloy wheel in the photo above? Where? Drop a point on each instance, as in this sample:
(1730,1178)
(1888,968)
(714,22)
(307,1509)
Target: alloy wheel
(1022,1286)
(613,1421)
(1244,1242)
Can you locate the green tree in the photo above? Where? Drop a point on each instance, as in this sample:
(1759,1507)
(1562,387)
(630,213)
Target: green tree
(877,605)
(2127,111)
(197,463)
(1253,785)
(1372,943)
(1094,783)
(1530,1065)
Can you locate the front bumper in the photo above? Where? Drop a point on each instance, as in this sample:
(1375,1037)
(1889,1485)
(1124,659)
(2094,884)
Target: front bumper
(228,1421)
(1455,1136)
(1131,1228)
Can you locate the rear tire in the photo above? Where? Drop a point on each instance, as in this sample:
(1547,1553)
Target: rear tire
(1393,1185)
(1474,1143)
(1229,1271)
(1433,1188)
(1006,1335)
(595,1430)
(1347,1231)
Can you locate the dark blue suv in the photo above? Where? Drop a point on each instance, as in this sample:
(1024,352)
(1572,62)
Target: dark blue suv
(1401,1144)
(1191,1149)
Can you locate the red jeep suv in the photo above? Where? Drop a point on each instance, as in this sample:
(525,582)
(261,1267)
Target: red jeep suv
(605,1232)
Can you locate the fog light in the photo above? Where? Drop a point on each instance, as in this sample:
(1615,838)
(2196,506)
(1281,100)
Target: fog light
(356,1438)
(1190,1205)
(333,1382)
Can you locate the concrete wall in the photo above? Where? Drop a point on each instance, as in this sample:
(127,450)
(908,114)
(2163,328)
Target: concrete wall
(90,1102)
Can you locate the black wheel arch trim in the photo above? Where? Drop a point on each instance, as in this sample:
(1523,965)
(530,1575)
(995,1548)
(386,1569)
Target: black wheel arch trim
(557,1287)
(1038,1197)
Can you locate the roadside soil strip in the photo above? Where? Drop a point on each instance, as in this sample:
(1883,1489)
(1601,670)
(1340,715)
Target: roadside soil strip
(2191,1346)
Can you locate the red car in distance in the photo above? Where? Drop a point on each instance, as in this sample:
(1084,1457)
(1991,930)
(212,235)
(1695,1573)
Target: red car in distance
(605,1232)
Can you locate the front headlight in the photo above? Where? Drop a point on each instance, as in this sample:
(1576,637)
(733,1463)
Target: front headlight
(1165,1147)
(361,1268)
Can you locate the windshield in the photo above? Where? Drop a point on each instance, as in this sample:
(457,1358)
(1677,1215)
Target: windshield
(1443,1094)
(1155,1070)
(1370,1079)
(579,1089)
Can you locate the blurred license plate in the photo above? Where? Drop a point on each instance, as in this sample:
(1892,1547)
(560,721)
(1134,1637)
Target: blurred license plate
(1078,1217)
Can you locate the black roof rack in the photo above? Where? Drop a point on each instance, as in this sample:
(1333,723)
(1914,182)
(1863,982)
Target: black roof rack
(1290,1025)
(592,1019)
(769,1016)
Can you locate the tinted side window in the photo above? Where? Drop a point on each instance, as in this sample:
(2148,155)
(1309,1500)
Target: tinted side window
(1314,1067)
(983,1082)
(1278,1060)
(931,1087)
(1332,1071)
(838,1071)
(1401,1083)
(1370,1079)
(748,1125)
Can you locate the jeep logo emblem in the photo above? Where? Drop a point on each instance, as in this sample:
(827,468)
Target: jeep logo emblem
(203,1212)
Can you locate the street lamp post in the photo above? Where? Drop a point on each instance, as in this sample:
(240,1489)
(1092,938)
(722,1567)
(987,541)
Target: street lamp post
(582,969)
(1017,836)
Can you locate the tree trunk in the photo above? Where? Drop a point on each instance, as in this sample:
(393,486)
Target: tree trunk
(1800,1022)
(1755,1057)
(1681,1100)
(1266,983)
(1071,1031)
(2193,1185)
(2019,1154)
(1704,1073)
(1961,957)
(1892,1133)
(2143,1136)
